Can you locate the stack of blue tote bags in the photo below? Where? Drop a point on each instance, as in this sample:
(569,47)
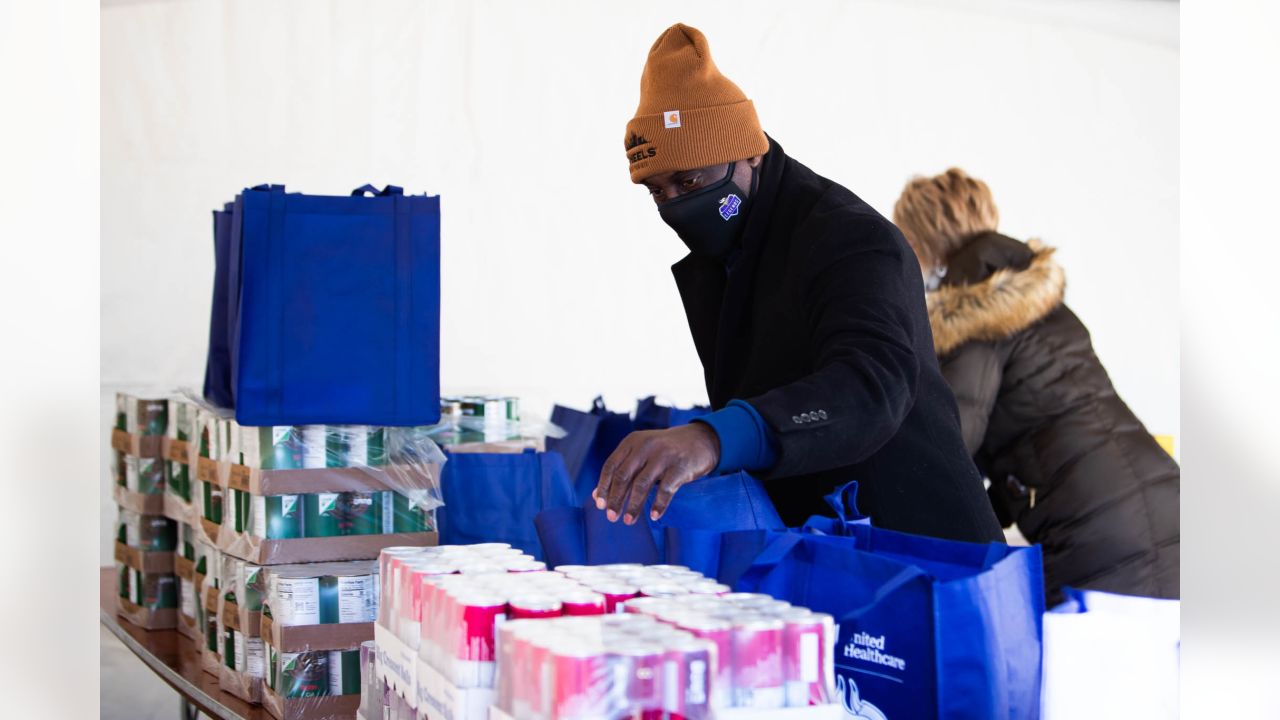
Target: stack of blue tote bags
(326,310)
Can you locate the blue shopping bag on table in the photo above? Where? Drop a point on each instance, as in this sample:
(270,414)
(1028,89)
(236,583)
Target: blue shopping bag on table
(590,437)
(584,536)
(217,369)
(493,497)
(928,628)
(334,308)
(652,416)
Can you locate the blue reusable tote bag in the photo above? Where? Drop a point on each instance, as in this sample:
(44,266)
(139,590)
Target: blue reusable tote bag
(928,628)
(589,439)
(493,497)
(336,308)
(217,369)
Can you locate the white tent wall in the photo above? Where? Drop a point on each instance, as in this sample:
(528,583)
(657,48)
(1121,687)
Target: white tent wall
(556,279)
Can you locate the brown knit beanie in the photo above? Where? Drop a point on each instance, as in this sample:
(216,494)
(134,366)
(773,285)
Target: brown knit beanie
(690,116)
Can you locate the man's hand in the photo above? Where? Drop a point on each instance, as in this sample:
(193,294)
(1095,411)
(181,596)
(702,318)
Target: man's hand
(669,459)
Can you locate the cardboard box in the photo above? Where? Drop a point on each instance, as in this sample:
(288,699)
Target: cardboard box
(145,618)
(151,563)
(439,698)
(328,707)
(397,665)
(142,446)
(314,638)
(151,504)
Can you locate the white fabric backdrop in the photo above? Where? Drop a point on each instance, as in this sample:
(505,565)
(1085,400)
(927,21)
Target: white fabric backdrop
(555,268)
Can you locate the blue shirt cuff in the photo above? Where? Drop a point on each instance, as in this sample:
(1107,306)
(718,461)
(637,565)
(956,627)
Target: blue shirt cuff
(746,442)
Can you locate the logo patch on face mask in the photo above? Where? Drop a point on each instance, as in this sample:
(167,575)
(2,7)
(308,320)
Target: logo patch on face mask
(729,206)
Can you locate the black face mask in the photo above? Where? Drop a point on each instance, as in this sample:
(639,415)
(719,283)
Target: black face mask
(710,220)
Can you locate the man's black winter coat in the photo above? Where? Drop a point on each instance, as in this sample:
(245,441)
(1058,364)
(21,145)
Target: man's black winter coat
(820,324)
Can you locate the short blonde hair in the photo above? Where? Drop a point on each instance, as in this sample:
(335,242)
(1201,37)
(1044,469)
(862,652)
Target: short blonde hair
(939,214)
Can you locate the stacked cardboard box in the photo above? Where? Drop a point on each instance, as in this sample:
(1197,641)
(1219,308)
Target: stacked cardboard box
(145,537)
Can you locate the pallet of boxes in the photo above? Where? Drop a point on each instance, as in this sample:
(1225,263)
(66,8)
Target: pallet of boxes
(274,535)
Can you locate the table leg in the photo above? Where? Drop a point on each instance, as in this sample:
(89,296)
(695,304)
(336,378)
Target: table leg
(189,711)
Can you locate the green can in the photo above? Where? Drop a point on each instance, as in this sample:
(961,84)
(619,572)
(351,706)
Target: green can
(122,571)
(356,446)
(362,513)
(253,584)
(212,502)
(178,479)
(210,634)
(145,416)
(348,598)
(271,447)
(277,517)
(404,515)
(240,504)
(229,648)
(144,475)
(322,514)
(120,468)
(188,542)
(344,672)
(273,669)
(156,592)
(315,447)
(304,674)
(156,533)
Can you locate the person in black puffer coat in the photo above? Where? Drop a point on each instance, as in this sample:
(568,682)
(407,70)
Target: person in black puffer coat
(1068,461)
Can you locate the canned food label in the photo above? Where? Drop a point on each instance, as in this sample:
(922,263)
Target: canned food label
(357,445)
(355,599)
(237,639)
(809,657)
(254,658)
(188,595)
(135,594)
(259,516)
(335,672)
(328,502)
(131,472)
(288,504)
(299,600)
(279,433)
(388,512)
(314,452)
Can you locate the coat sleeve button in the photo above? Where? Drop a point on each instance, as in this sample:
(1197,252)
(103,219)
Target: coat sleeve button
(822,414)
(796,419)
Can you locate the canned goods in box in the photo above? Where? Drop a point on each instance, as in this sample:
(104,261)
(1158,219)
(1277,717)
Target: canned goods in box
(362,513)
(315,447)
(583,603)
(686,678)
(757,663)
(357,445)
(271,447)
(295,600)
(240,502)
(144,475)
(579,675)
(403,514)
(535,606)
(145,416)
(344,672)
(304,674)
(212,502)
(348,598)
(277,517)
(252,586)
(808,653)
(642,668)
(322,514)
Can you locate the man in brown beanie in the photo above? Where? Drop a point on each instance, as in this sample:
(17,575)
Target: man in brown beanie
(807,310)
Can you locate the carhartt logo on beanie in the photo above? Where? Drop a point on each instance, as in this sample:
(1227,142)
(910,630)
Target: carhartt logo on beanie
(690,116)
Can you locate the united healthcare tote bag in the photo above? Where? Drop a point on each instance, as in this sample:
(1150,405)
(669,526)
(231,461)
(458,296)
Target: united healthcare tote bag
(217,369)
(334,308)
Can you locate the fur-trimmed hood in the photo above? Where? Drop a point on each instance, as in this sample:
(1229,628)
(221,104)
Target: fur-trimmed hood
(1007,302)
